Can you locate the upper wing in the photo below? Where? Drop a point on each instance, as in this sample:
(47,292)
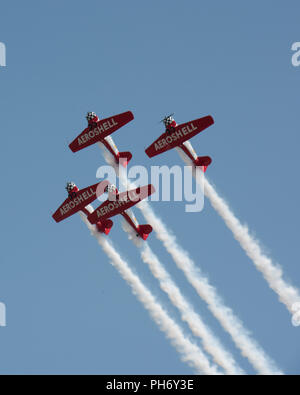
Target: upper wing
(103,128)
(180,134)
(83,198)
(123,201)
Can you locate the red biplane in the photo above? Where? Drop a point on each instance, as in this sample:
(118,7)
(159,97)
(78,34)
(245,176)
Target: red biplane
(120,203)
(100,131)
(78,200)
(117,203)
(178,136)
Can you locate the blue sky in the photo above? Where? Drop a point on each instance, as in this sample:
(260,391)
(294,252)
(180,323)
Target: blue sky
(68,310)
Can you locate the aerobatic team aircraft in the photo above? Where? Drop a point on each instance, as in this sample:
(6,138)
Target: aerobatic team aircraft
(117,203)
(100,131)
(120,203)
(178,136)
(78,200)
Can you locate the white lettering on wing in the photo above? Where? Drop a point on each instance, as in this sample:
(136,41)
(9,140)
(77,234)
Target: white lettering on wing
(80,198)
(170,138)
(114,205)
(98,130)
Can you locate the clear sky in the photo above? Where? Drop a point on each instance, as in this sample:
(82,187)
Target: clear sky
(68,310)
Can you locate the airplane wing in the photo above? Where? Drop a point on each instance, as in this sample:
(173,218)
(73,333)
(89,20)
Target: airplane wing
(123,201)
(83,198)
(181,133)
(103,128)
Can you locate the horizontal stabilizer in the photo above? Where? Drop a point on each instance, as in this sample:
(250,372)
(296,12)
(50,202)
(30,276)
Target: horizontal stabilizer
(144,231)
(105,226)
(203,161)
(124,158)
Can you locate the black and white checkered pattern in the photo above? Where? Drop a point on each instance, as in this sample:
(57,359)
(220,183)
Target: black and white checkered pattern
(70,186)
(168,120)
(90,115)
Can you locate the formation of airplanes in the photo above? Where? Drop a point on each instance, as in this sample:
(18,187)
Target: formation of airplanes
(100,130)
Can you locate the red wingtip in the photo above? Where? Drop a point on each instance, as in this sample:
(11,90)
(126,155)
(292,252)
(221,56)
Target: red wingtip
(74,146)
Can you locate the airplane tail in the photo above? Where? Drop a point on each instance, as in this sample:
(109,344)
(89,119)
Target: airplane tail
(204,161)
(104,227)
(124,158)
(144,231)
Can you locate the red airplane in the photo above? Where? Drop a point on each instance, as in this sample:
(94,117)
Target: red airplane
(120,203)
(100,131)
(178,136)
(117,203)
(78,200)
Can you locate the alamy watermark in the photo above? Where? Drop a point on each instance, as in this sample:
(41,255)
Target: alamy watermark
(174,183)
(2,314)
(2,55)
(296,56)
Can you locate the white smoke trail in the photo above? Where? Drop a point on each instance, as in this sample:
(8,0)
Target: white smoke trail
(210,343)
(273,274)
(190,352)
(231,324)
(195,323)
(241,337)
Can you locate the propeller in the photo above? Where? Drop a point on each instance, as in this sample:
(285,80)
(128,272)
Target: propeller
(167,116)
